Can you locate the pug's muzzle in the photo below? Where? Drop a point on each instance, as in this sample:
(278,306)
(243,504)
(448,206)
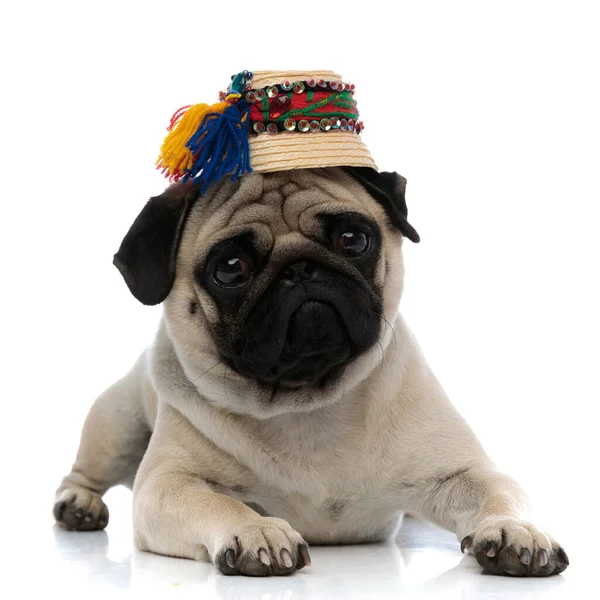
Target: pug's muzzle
(309,324)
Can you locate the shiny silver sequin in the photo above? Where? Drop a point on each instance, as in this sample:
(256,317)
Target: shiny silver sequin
(289,124)
(303,125)
(259,127)
(325,124)
(272,91)
(298,87)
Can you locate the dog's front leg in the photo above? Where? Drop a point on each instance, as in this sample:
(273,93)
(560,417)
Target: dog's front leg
(489,513)
(176,511)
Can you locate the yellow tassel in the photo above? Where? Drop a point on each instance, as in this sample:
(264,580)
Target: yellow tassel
(174,156)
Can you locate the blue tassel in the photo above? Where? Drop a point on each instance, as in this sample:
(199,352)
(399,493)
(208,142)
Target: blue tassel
(220,146)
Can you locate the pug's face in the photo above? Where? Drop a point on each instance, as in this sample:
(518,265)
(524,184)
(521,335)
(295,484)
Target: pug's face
(278,287)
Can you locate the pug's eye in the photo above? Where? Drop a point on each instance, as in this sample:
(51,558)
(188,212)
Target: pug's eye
(232,272)
(353,243)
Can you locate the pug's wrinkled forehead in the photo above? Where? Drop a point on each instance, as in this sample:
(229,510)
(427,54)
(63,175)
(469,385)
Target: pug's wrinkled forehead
(279,204)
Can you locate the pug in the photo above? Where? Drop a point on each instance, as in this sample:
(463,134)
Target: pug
(284,401)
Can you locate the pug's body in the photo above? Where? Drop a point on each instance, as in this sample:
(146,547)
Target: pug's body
(284,401)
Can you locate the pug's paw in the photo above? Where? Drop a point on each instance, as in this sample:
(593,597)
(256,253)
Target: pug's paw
(508,546)
(79,509)
(260,547)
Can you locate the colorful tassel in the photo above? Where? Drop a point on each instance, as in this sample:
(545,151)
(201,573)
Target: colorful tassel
(220,146)
(175,157)
(206,142)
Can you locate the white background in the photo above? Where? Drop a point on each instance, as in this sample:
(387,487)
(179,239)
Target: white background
(491,110)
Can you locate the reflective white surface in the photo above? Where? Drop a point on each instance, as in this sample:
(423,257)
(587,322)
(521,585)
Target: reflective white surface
(422,562)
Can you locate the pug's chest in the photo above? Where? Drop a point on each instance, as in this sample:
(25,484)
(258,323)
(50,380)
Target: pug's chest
(343,517)
(332,500)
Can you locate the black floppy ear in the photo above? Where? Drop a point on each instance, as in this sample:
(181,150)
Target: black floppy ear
(148,252)
(388,189)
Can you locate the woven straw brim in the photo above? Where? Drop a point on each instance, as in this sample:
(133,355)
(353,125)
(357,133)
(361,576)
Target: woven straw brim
(294,150)
(285,151)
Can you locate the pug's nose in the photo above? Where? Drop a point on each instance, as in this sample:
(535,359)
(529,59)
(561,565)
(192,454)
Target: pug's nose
(302,270)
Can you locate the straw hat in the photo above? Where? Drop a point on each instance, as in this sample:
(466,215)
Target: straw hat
(266,121)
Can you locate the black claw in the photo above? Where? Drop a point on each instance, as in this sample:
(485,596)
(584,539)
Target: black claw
(491,549)
(79,513)
(226,562)
(542,558)
(525,556)
(59,509)
(285,556)
(562,555)
(304,558)
(466,544)
(104,518)
(230,558)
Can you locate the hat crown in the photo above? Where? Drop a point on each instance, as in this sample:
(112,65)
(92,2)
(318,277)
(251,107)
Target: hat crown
(265,78)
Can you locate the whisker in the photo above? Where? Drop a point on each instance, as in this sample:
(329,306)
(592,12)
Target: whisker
(225,383)
(382,355)
(205,372)
(393,332)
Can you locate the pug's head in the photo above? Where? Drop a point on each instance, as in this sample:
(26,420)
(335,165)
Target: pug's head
(279,288)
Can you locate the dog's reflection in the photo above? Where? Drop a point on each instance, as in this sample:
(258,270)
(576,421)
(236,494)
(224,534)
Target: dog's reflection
(351,572)
(411,565)
(347,572)
(87,554)
(466,581)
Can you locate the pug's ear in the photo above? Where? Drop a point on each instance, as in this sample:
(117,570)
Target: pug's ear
(148,253)
(388,189)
